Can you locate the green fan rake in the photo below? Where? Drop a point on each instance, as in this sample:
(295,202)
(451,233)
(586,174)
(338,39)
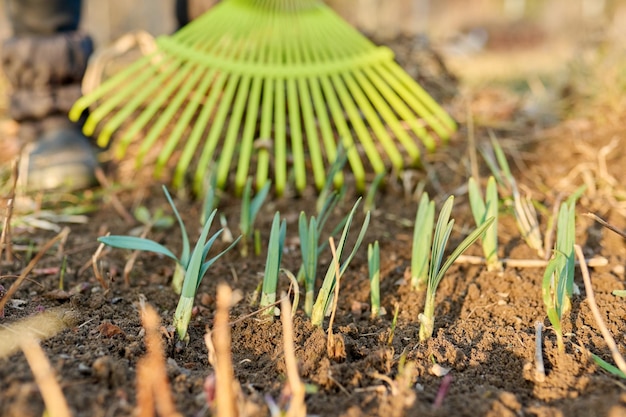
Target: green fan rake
(277,81)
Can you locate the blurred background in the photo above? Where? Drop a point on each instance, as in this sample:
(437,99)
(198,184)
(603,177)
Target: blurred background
(108,20)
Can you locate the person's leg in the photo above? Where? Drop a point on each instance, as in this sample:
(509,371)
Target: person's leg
(44,62)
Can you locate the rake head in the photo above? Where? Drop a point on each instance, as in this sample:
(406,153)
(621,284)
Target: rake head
(274,81)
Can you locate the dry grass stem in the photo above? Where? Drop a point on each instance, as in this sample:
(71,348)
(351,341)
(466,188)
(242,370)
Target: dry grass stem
(334,344)
(594,262)
(5,237)
(540,370)
(606,224)
(115,202)
(153,390)
(15,286)
(297,407)
(96,269)
(128,267)
(591,299)
(224,373)
(53,398)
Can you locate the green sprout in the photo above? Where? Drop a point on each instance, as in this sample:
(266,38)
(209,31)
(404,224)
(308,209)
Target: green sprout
(558,279)
(523,208)
(481,210)
(309,247)
(437,271)
(324,296)
(193,264)
(272,265)
(422,235)
(249,210)
(373,262)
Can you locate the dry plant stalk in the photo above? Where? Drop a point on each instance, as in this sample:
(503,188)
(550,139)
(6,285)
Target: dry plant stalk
(94,263)
(53,398)
(128,267)
(297,407)
(221,340)
(153,391)
(5,237)
(15,286)
(606,224)
(591,299)
(117,204)
(335,346)
(540,370)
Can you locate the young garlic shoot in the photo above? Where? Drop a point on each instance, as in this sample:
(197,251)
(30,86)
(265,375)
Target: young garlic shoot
(523,208)
(309,244)
(192,265)
(436,270)
(143,244)
(422,235)
(373,262)
(324,296)
(558,278)
(272,264)
(250,208)
(482,210)
(194,272)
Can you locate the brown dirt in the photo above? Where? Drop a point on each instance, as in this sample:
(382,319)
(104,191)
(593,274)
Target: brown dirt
(484,327)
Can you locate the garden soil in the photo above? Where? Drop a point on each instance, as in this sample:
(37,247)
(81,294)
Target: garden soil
(484,336)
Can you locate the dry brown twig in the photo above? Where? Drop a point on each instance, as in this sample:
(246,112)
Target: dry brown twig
(297,407)
(540,370)
(591,299)
(153,391)
(14,287)
(219,341)
(53,398)
(335,345)
(96,269)
(115,201)
(606,224)
(5,237)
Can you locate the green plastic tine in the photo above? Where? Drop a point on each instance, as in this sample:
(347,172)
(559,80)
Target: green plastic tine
(297,149)
(399,106)
(344,132)
(376,125)
(130,107)
(247,137)
(436,117)
(168,113)
(313,140)
(177,103)
(215,132)
(143,80)
(232,131)
(199,127)
(358,125)
(323,120)
(263,154)
(184,122)
(388,116)
(280,137)
(138,67)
